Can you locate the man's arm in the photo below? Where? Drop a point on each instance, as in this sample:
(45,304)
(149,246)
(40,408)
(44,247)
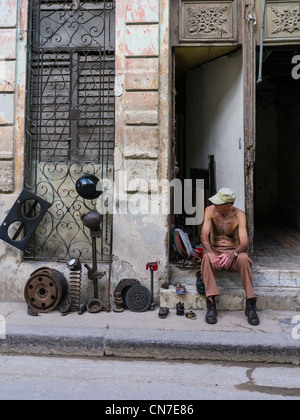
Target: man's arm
(208,216)
(227,258)
(243,234)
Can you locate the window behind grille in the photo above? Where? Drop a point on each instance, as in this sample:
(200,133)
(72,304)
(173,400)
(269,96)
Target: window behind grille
(69,119)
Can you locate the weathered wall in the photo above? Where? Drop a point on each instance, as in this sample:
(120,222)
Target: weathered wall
(12,104)
(142,136)
(8,54)
(142,140)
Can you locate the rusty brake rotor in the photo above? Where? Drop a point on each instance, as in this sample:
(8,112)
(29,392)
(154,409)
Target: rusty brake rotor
(45,289)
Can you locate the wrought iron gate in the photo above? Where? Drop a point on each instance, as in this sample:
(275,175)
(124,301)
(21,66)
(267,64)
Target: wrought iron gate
(69,119)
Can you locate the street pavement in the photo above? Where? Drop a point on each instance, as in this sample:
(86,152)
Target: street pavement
(147,386)
(145,335)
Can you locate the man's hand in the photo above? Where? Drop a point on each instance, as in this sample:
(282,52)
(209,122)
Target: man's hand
(214,260)
(225,260)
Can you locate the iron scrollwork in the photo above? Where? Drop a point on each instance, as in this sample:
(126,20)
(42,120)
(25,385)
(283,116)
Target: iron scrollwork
(69,120)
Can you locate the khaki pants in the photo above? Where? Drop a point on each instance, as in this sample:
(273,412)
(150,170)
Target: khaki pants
(242,265)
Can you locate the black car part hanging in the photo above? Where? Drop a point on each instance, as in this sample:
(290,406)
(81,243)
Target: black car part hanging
(23,219)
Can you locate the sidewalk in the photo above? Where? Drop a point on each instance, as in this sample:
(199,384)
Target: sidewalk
(145,335)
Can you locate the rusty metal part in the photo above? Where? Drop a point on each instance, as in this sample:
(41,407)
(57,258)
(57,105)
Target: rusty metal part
(45,289)
(82,309)
(45,270)
(92,220)
(138,298)
(123,287)
(119,303)
(94,306)
(75,289)
(108,305)
(66,305)
(32,312)
(125,283)
(75,278)
(153,266)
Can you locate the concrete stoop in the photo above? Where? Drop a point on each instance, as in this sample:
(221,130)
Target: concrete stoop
(277,290)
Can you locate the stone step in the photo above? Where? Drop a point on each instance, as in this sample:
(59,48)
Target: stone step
(275,290)
(234,299)
(262,277)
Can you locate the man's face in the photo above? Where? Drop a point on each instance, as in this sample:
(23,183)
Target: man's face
(222,208)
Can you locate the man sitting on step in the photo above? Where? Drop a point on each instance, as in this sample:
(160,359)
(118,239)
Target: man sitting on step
(225,239)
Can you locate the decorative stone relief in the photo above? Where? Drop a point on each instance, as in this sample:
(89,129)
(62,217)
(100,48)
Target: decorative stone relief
(282,21)
(208,21)
(287,20)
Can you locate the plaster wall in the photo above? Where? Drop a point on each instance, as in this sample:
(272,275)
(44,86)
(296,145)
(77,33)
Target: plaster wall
(142,142)
(142,139)
(214,121)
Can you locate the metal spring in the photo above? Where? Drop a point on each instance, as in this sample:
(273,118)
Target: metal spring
(75,288)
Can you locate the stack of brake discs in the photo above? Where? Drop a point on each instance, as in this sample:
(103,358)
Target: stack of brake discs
(45,290)
(135,297)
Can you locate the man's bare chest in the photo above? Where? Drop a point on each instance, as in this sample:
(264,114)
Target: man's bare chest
(225,226)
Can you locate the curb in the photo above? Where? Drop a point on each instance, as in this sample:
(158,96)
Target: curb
(152,344)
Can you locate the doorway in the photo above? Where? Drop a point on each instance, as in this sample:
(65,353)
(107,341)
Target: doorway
(208,122)
(277,170)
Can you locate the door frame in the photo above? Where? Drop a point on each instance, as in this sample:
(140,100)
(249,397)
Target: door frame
(249,66)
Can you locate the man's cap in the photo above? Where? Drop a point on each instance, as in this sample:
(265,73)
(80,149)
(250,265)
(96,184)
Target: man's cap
(224,196)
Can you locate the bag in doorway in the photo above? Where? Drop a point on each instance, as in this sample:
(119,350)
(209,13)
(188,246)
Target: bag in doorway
(183,244)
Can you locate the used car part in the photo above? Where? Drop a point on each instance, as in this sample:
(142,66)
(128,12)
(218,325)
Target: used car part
(138,298)
(87,187)
(45,290)
(66,305)
(153,266)
(119,303)
(23,219)
(123,287)
(94,306)
(82,309)
(92,220)
(75,278)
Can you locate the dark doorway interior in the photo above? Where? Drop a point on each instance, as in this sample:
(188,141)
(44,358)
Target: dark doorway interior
(277,169)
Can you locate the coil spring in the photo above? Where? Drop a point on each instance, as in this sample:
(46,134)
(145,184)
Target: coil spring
(75,289)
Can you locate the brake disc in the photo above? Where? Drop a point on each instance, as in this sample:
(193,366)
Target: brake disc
(123,287)
(138,298)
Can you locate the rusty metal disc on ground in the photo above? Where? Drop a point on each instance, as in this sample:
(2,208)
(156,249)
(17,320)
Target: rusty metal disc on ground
(123,287)
(138,298)
(94,306)
(66,305)
(45,290)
